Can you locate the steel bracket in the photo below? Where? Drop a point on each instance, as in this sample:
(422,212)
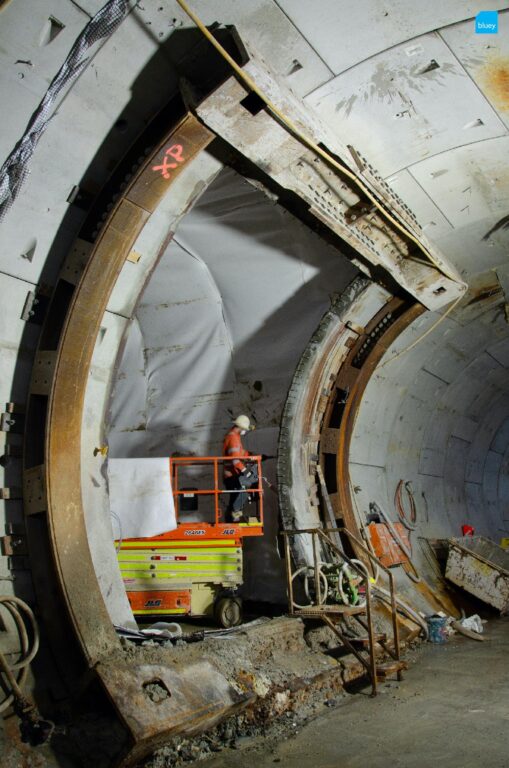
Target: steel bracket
(35,307)
(42,373)
(12,422)
(357,211)
(11,493)
(13,545)
(34,490)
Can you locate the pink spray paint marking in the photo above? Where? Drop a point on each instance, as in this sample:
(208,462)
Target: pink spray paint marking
(174,152)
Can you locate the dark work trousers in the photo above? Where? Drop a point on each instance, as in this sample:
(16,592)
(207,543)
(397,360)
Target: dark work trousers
(239,483)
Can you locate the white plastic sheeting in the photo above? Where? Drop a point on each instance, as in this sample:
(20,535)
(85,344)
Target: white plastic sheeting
(218,331)
(140,497)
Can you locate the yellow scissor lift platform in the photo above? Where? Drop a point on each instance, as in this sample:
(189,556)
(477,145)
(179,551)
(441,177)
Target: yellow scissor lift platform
(195,569)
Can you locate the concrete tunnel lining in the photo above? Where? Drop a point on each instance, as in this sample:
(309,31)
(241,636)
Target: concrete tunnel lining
(463,456)
(98,644)
(438,416)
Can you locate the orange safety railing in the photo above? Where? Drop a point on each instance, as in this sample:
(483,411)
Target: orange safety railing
(217,491)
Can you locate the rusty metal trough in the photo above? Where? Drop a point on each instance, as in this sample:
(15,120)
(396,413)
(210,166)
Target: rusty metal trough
(481,567)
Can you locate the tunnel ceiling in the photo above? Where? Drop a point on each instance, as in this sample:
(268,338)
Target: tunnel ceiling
(425,101)
(417,93)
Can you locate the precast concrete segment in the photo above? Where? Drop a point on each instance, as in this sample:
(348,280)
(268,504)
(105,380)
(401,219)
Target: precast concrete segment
(287,139)
(16,167)
(367,29)
(413,112)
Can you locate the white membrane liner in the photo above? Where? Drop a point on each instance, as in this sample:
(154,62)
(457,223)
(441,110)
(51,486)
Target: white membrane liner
(218,331)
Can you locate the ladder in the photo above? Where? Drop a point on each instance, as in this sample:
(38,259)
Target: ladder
(364,647)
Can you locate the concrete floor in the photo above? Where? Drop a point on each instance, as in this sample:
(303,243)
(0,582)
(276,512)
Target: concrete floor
(452,709)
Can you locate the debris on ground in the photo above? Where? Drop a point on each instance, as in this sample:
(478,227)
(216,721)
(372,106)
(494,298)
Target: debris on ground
(294,673)
(474,623)
(239,731)
(471,627)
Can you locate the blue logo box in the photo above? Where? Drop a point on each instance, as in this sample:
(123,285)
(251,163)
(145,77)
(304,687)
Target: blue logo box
(486,23)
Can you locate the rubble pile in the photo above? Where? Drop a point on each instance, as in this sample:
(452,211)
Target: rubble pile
(289,683)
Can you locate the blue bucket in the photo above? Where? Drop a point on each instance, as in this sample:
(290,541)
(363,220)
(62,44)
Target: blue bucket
(436,629)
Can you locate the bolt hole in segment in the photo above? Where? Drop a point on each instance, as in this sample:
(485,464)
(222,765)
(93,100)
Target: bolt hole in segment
(51,29)
(29,250)
(156,690)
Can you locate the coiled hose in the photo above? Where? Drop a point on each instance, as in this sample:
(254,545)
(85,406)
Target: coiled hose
(34,729)
(410,521)
(308,572)
(15,674)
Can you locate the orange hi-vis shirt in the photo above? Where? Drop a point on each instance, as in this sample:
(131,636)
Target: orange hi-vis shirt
(232,446)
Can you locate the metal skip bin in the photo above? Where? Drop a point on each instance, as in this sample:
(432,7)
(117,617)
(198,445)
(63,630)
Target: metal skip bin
(481,567)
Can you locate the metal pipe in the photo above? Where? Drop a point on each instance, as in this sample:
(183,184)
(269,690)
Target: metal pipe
(317,570)
(288,571)
(395,627)
(372,660)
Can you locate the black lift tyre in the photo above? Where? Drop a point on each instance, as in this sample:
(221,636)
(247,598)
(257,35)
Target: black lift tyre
(228,612)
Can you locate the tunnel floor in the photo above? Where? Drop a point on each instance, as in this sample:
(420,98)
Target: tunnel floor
(451,709)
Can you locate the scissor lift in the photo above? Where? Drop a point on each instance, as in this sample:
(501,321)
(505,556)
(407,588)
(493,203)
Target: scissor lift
(196,569)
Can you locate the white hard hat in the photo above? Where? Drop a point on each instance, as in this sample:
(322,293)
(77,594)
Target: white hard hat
(242,422)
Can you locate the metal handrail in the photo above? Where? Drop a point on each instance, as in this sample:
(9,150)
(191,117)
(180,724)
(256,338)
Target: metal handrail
(315,533)
(323,534)
(392,587)
(216,491)
(374,559)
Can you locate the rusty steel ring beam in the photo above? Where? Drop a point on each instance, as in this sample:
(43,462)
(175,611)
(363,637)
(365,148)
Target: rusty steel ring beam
(324,399)
(198,694)
(70,375)
(397,315)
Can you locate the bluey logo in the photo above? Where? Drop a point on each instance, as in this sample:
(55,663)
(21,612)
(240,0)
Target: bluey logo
(486,23)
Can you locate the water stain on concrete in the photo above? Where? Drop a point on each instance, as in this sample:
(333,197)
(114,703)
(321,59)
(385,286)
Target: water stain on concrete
(494,78)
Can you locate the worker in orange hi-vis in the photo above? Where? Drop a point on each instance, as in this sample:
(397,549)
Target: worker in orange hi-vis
(238,474)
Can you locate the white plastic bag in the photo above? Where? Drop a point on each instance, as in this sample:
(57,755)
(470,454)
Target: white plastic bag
(474,623)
